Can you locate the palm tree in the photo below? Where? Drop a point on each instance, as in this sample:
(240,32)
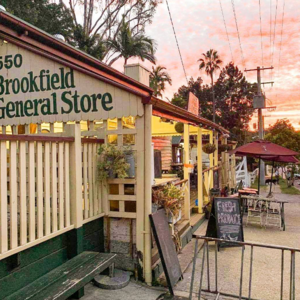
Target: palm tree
(158,80)
(128,45)
(211,63)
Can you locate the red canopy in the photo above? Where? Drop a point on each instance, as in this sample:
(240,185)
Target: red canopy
(282,159)
(261,149)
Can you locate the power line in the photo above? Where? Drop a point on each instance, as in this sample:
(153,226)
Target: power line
(261,38)
(226,30)
(177,42)
(282,20)
(237,29)
(274,38)
(274,31)
(270,29)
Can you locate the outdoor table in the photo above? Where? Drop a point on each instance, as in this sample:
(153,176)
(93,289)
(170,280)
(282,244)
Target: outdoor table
(247,192)
(234,195)
(262,199)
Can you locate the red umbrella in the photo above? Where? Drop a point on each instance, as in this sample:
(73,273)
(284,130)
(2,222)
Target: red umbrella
(267,151)
(282,159)
(262,148)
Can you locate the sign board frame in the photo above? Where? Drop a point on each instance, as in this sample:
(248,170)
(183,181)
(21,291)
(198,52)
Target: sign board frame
(193,104)
(231,214)
(166,248)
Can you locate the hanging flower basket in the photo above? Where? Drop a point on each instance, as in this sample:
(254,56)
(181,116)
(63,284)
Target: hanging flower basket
(209,148)
(223,148)
(179,127)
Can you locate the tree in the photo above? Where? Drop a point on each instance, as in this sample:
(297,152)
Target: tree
(158,80)
(211,63)
(233,100)
(86,24)
(104,19)
(284,134)
(127,45)
(50,17)
(92,45)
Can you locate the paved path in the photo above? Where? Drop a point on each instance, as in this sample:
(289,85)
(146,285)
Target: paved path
(266,265)
(134,291)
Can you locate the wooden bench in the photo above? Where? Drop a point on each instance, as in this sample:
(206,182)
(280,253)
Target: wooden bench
(67,279)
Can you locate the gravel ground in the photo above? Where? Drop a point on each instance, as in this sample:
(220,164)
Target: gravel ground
(266,263)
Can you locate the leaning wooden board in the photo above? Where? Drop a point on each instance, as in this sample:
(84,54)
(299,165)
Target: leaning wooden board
(226,221)
(166,248)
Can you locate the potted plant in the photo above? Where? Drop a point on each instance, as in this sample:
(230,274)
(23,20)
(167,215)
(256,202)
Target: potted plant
(112,162)
(209,148)
(129,158)
(170,197)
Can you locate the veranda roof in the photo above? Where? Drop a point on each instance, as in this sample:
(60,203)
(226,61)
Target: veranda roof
(160,128)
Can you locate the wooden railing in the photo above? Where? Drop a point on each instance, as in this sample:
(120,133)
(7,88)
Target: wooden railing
(91,186)
(34,190)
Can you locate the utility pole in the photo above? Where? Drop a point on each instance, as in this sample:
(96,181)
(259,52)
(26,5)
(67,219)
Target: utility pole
(259,103)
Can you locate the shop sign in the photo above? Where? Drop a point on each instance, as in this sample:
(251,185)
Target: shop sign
(34,89)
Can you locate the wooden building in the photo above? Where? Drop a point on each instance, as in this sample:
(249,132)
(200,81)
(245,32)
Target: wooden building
(57,104)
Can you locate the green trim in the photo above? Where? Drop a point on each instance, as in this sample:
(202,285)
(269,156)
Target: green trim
(43,258)
(75,242)
(24,276)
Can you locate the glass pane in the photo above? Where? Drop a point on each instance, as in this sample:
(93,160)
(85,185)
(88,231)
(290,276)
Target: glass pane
(112,124)
(130,206)
(128,122)
(98,124)
(114,205)
(128,139)
(114,189)
(112,139)
(129,189)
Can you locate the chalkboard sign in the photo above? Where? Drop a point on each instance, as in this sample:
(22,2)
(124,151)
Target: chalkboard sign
(166,248)
(226,221)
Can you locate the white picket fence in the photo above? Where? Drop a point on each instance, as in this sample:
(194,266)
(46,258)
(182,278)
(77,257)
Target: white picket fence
(34,190)
(91,186)
(37,181)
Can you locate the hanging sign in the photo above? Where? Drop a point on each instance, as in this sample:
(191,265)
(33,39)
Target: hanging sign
(34,89)
(193,104)
(226,221)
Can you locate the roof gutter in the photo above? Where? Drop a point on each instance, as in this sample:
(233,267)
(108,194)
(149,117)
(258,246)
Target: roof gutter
(164,106)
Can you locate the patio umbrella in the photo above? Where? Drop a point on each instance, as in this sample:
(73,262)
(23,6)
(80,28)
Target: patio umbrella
(263,149)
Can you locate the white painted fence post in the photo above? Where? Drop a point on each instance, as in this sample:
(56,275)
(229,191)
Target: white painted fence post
(186,157)
(200,169)
(75,175)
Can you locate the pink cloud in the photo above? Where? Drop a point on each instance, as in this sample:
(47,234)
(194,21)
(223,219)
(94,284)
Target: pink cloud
(199,26)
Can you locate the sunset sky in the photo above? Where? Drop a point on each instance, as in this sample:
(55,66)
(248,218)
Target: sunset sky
(199,26)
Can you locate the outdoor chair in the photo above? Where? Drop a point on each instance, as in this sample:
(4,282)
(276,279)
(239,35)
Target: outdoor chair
(273,217)
(255,212)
